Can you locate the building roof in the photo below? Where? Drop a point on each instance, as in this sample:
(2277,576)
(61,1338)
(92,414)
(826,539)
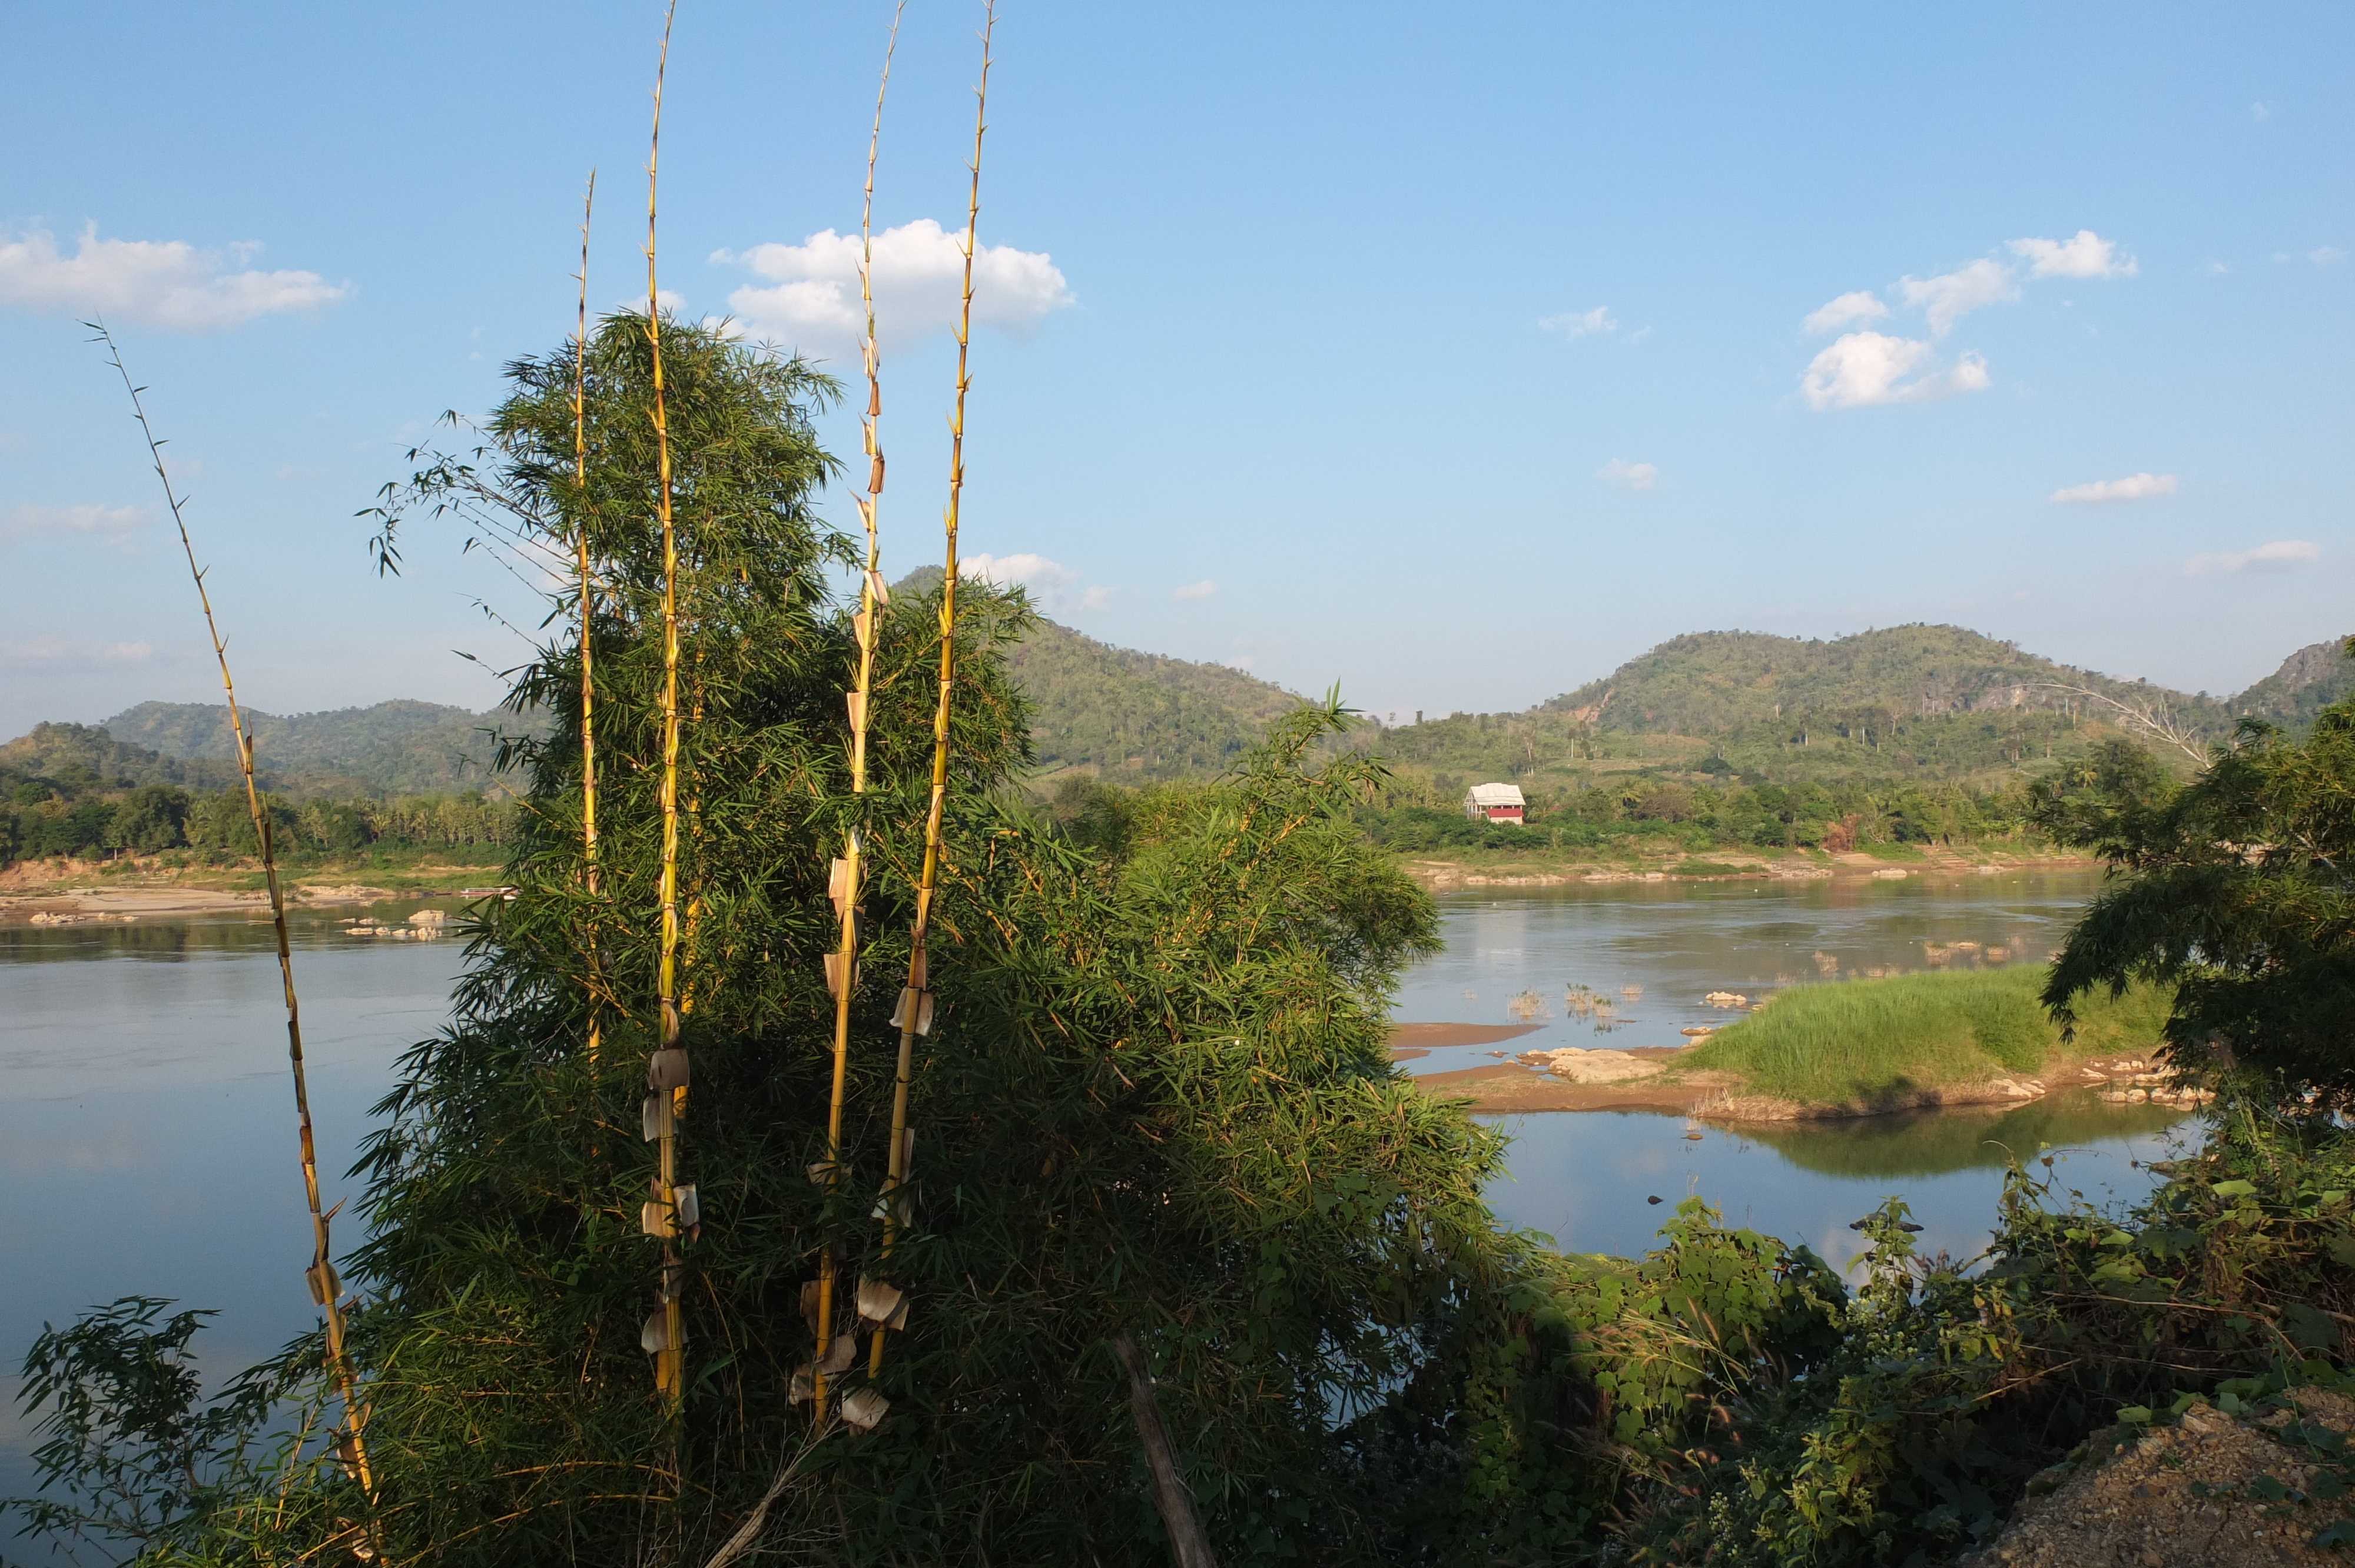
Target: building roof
(1493,795)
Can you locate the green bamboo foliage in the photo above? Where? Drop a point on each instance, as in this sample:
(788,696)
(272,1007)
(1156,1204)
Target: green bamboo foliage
(846,880)
(327,1288)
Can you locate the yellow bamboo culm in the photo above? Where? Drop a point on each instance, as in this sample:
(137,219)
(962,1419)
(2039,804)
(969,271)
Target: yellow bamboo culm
(915,1016)
(588,610)
(327,1288)
(847,879)
(666,1074)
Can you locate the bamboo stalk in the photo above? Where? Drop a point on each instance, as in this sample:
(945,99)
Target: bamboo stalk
(847,872)
(588,610)
(915,1016)
(671,1360)
(327,1288)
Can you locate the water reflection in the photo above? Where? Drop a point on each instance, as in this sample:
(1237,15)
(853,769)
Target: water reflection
(1586,1179)
(146,1103)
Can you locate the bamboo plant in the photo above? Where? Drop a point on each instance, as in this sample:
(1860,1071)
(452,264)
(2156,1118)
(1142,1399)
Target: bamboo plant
(673,1210)
(327,1288)
(913,1016)
(846,880)
(587,589)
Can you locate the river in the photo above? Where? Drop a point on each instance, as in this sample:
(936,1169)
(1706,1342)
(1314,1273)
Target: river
(147,1128)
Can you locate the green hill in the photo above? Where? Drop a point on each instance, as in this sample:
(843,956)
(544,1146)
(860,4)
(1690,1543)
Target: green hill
(396,747)
(1719,682)
(1907,703)
(1134,715)
(1130,716)
(71,760)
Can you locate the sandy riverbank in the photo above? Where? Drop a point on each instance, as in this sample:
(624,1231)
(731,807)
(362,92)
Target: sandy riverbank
(26,900)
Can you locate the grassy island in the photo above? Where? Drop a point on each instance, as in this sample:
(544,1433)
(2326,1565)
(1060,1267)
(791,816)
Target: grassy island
(1872,1041)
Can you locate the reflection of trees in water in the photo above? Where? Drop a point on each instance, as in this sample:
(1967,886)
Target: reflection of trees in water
(1931,1143)
(161,940)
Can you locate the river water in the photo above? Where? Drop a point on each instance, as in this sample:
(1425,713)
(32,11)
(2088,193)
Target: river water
(1587,1179)
(147,1129)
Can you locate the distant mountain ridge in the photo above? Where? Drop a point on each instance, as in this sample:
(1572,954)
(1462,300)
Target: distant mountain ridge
(1928,701)
(396,747)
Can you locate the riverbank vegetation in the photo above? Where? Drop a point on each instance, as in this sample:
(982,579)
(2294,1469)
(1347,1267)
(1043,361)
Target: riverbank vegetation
(1864,1043)
(74,792)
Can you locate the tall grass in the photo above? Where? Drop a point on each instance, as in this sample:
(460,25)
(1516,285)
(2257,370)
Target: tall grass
(1863,1041)
(326,1289)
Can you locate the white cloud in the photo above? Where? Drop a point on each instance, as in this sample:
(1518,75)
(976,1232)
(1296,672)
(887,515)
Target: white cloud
(1869,367)
(1026,570)
(64,652)
(165,283)
(1203,589)
(2134,487)
(1857,305)
(2260,111)
(2278,556)
(2086,255)
(1633,475)
(2325,255)
(1576,325)
(103,520)
(812,304)
(1948,297)
(1097,598)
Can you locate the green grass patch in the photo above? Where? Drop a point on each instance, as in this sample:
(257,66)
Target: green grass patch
(1894,852)
(1706,868)
(1857,1042)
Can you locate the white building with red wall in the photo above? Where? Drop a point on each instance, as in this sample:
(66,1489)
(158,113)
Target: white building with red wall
(1496,803)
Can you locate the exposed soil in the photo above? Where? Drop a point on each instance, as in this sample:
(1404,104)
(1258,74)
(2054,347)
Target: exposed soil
(2179,1497)
(1648,1079)
(1509,1087)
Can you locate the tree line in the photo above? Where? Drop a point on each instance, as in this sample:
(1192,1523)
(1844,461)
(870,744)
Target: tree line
(42,821)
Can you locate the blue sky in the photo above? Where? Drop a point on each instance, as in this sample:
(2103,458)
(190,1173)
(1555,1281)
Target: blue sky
(1455,354)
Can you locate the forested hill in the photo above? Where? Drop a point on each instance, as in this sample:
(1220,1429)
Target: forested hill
(1130,716)
(396,747)
(1724,683)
